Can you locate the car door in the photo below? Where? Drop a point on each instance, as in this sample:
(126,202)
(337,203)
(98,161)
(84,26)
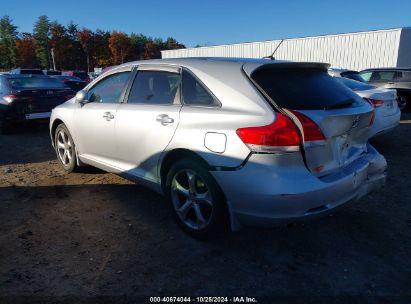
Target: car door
(146,122)
(94,121)
(383,79)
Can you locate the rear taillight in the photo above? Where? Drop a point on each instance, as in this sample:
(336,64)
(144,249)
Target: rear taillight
(371,102)
(281,135)
(9,98)
(311,130)
(375,102)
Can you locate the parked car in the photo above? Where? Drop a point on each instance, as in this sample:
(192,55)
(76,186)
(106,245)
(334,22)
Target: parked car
(80,74)
(20,71)
(387,112)
(391,78)
(350,74)
(51,72)
(226,140)
(29,97)
(73,82)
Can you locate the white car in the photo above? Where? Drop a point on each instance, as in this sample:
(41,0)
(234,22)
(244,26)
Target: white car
(387,112)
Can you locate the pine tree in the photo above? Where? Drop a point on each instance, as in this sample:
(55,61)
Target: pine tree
(42,35)
(8,37)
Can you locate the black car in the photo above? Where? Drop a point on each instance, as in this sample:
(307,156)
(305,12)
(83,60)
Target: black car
(51,72)
(72,81)
(29,97)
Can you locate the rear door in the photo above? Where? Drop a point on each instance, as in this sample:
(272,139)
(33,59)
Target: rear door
(94,122)
(342,116)
(147,121)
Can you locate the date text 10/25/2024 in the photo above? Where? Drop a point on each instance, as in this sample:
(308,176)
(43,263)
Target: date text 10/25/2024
(203,300)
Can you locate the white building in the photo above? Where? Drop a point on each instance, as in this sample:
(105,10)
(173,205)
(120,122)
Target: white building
(382,48)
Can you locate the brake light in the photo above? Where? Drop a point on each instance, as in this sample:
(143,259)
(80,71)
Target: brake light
(9,98)
(67,97)
(375,102)
(281,135)
(311,130)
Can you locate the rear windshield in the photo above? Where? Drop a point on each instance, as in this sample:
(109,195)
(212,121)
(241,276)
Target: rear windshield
(33,72)
(355,85)
(303,88)
(29,83)
(353,75)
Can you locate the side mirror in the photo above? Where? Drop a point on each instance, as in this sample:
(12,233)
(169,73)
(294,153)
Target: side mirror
(81,96)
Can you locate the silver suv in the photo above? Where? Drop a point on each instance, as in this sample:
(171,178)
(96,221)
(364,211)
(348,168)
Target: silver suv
(228,141)
(391,78)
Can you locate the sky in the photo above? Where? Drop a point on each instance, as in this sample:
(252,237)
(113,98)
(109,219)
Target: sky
(212,22)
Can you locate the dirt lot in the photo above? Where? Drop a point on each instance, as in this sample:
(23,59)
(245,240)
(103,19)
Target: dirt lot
(95,233)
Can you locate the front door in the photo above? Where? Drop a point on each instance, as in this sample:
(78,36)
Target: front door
(95,120)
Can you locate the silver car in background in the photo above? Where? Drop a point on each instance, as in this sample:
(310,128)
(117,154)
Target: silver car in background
(385,102)
(228,141)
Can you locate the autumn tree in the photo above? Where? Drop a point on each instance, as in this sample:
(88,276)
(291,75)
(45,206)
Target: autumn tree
(119,44)
(8,37)
(101,54)
(85,39)
(60,42)
(25,49)
(151,50)
(137,42)
(42,35)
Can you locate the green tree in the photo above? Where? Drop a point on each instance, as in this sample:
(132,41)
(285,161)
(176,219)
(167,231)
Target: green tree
(42,35)
(8,38)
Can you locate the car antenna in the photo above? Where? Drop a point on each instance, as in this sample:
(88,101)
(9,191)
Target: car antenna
(271,57)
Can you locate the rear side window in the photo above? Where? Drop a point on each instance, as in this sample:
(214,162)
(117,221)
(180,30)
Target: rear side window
(303,88)
(109,89)
(194,93)
(366,75)
(383,75)
(154,87)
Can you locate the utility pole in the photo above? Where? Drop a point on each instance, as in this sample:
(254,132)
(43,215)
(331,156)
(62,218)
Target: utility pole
(52,57)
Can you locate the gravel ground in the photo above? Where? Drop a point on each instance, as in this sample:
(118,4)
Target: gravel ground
(96,234)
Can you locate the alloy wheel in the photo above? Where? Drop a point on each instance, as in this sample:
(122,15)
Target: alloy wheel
(192,199)
(64,148)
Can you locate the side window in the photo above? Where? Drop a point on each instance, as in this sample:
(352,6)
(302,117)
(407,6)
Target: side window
(398,75)
(194,92)
(383,76)
(154,87)
(366,75)
(109,89)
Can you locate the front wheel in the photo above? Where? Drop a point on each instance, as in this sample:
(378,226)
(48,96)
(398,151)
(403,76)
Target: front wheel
(402,102)
(65,148)
(197,201)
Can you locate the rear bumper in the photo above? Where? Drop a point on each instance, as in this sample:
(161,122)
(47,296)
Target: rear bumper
(383,123)
(272,189)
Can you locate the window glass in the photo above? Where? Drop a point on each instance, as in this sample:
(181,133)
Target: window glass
(154,87)
(35,82)
(355,85)
(109,89)
(366,75)
(194,92)
(303,88)
(353,75)
(383,76)
(398,75)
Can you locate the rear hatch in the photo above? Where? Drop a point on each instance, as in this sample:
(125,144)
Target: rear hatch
(306,88)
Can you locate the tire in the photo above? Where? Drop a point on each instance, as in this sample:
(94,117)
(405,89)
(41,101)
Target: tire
(5,128)
(403,103)
(199,207)
(65,149)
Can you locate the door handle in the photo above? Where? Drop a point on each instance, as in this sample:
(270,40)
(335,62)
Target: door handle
(164,119)
(108,116)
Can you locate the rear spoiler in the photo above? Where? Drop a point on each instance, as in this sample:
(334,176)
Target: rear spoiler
(250,68)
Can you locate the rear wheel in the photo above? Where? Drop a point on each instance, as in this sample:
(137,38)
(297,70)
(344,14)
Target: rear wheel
(196,199)
(65,148)
(402,102)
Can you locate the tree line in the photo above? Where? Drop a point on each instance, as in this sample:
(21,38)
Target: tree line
(74,48)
